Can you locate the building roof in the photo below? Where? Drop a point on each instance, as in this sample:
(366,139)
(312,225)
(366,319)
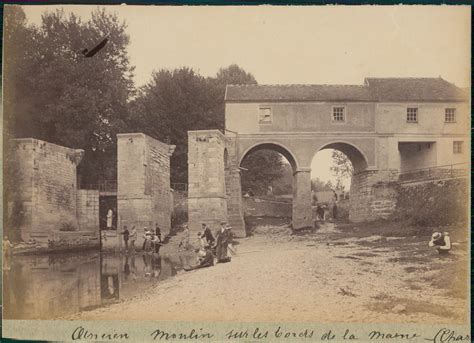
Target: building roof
(374,89)
(297,93)
(414,89)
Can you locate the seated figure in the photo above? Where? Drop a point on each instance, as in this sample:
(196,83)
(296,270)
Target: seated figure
(441,241)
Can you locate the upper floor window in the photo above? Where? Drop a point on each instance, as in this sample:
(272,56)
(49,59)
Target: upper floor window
(338,114)
(265,115)
(450,115)
(457,147)
(412,115)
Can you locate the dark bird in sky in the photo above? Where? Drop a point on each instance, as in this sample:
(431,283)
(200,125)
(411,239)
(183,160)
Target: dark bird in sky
(89,53)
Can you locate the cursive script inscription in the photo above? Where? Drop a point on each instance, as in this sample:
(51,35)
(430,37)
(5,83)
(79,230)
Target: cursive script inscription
(193,334)
(82,334)
(446,335)
(375,335)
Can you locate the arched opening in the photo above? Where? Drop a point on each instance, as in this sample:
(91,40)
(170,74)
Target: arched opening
(266,172)
(332,169)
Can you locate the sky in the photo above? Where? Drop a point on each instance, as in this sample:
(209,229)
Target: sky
(292,44)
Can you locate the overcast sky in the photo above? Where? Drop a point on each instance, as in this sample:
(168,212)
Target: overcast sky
(285,45)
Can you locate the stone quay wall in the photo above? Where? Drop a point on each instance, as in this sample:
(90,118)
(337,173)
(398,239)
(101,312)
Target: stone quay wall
(144,196)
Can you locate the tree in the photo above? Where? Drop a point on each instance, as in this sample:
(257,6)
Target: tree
(179,100)
(262,168)
(342,168)
(54,93)
(319,186)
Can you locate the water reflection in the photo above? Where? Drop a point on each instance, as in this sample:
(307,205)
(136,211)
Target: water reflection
(51,286)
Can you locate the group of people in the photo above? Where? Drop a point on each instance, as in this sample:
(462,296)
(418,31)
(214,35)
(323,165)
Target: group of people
(210,247)
(151,243)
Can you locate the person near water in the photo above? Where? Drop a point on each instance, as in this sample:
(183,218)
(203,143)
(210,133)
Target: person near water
(208,234)
(156,243)
(126,235)
(158,231)
(222,241)
(206,261)
(133,238)
(147,233)
(441,242)
(185,241)
(202,244)
(148,248)
(110,217)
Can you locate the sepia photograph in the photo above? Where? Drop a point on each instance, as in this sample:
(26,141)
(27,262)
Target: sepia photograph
(306,169)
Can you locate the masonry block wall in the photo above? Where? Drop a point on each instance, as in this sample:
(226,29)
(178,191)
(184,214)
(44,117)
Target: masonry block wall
(144,196)
(46,190)
(88,209)
(207,199)
(233,187)
(371,195)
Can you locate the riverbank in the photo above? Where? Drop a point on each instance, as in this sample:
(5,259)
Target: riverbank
(332,274)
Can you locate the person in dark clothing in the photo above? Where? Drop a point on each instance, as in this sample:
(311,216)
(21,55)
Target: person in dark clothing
(208,235)
(126,235)
(334,212)
(158,231)
(206,261)
(223,238)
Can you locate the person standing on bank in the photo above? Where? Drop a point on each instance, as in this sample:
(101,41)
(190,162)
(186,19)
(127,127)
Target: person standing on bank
(222,240)
(133,238)
(207,234)
(158,231)
(126,235)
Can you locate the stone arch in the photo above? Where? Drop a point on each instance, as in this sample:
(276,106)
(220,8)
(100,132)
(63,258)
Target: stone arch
(278,147)
(356,155)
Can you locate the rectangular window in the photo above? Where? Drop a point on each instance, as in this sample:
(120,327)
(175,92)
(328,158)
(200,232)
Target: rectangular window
(450,115)
(265,115)
(338,114)
(412,115)
(457,147)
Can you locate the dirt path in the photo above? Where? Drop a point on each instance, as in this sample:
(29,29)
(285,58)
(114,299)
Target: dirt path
(323,276)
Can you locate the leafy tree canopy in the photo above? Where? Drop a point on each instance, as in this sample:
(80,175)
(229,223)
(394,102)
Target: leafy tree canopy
(54,93)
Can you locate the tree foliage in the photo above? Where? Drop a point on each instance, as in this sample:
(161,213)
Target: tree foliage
(262,168)
(342,168)
(54,93)
(176,101)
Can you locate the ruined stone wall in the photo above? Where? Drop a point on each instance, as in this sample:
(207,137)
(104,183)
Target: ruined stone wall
(46,187)
(143,192)
(88,209)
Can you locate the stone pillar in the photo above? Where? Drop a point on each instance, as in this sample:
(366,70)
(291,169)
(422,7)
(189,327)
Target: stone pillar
(143,183)
(207,199)
(302,213)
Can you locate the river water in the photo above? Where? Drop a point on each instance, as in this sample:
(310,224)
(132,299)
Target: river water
(57,285)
